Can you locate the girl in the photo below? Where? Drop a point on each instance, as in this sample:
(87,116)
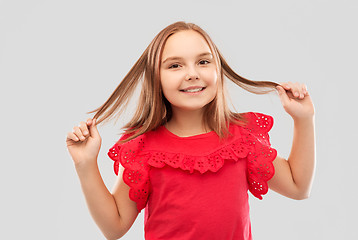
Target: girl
(185,157)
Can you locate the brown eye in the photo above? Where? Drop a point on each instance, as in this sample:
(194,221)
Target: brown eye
(204,62)
(174,66)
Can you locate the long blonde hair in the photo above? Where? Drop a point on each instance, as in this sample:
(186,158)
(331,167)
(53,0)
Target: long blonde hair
(153,109)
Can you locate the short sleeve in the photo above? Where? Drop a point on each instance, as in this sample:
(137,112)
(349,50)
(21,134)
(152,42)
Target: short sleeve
(261,155)
(136,169)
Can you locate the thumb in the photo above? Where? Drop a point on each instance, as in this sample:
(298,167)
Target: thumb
(93,128)
(283,95)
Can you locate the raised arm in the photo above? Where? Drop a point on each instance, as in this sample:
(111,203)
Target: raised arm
(293,177)
(84,144)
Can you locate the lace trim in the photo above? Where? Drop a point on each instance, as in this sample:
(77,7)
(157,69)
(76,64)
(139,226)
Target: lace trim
(254,145)
(210,162)
(259,161)
(136,171)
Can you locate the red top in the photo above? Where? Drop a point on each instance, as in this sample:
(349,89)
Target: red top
(197,187)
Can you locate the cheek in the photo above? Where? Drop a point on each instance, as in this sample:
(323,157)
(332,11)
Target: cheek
(170,81)
(210,77)
(164,80)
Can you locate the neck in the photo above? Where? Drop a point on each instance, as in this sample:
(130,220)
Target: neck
(186,123)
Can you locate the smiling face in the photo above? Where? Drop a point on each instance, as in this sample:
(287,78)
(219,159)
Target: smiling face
(188,73)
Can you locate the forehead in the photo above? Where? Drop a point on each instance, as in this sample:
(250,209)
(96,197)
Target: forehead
(185,44)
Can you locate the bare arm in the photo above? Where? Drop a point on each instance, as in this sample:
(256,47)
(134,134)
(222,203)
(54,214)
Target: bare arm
(293,177)
(100,201)
(83,144)
(302,156)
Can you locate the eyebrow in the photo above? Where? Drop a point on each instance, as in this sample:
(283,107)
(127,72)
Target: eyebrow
(179,58)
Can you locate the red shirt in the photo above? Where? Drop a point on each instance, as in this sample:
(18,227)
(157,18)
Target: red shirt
(197,187)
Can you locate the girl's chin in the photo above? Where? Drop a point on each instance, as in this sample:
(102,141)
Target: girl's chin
(189,108)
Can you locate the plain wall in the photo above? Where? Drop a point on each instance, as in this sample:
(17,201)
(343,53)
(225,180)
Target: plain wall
(61,59)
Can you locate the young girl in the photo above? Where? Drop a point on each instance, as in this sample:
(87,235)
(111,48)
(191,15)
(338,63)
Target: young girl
(185,157)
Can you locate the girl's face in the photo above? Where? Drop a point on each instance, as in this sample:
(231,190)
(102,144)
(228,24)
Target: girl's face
(188,73)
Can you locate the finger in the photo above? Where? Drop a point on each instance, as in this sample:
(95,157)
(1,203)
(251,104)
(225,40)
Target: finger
(77,131)
(89,122)
(304,88)
(283,95)
(297,93)
(307,93)
(285,85)
(293,88)
(301,89)
(84,128)
(72,136)
(296,90)
(93,128)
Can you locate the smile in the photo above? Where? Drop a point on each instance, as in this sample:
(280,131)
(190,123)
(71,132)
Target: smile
(194,90)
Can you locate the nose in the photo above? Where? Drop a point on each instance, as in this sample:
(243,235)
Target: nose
(191,77)
(192,74)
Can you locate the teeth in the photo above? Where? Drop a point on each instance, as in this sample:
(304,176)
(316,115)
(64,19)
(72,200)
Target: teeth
(194,90)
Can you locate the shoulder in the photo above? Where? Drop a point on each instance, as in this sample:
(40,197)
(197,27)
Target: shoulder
(257,122)
(136,170)
(260,168)
(138,144)
(146,135)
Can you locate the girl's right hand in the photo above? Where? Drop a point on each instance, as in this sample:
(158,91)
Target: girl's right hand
(84,142)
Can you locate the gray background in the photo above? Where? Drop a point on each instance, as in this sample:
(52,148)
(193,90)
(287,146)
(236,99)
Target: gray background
(60,59)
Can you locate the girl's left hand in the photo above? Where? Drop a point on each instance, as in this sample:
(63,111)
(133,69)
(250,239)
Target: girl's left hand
(295,100)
